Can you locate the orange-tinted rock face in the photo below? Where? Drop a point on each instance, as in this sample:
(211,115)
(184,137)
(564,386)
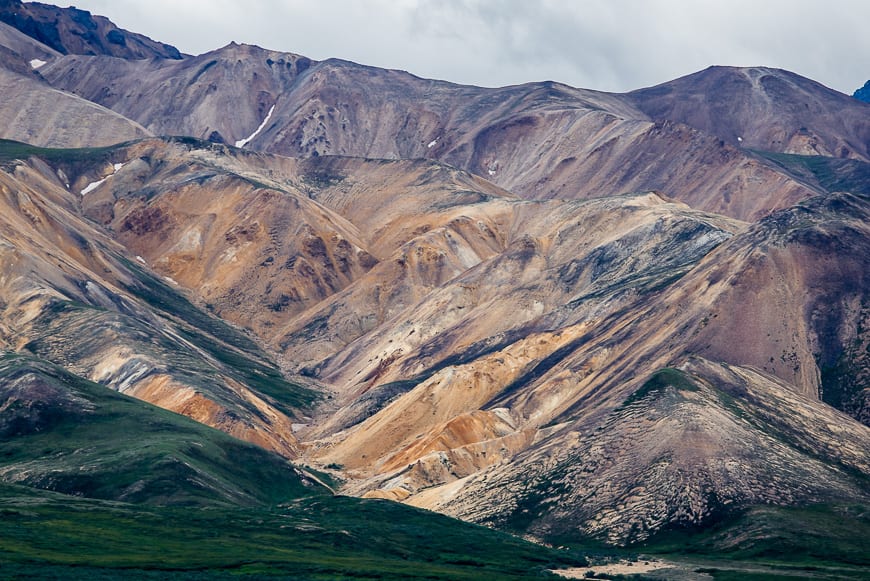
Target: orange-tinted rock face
(68,296)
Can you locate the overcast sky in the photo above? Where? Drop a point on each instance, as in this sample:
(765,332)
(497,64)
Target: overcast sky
(609,45)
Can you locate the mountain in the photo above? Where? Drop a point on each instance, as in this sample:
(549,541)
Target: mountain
(122,472)
(763,108)
(540,141)
(38,114)
(74,297)
(404,282)
(584,318)
(35,113)
(863,94)
(22,53)
(74,31)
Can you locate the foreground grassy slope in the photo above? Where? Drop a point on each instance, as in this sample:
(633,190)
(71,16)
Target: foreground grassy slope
(55,536)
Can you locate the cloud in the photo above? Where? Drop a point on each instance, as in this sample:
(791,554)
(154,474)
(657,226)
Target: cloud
(614,45)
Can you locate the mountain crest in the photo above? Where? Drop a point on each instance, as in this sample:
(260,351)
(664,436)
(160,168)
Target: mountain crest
(75,31)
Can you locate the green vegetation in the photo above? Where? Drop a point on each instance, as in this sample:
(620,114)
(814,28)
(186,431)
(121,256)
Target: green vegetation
(194,142)
(118,488)
(824,541)
(66,159)
(845,381)
(322,179)
(327,538)
(63,433)
(661,379)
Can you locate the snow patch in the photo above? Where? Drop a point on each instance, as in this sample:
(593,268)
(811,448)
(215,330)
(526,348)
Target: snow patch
(36,63)
(93,186)
(432,143)
(245,141)
(491,172)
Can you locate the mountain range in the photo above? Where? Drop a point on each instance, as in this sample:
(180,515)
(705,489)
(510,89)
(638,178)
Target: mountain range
(582,318)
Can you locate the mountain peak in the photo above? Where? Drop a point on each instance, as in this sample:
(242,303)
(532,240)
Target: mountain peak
(75,31)
(763,108)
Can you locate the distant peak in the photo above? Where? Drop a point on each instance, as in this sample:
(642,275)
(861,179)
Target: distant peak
(75,31)
(863,94)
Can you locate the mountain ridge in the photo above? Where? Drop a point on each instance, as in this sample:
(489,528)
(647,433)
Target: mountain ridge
(507,134)
(74,31)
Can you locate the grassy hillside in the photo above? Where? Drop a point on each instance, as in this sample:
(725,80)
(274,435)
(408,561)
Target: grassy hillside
(54,536)
(48,535)
(63,433)
(822,541)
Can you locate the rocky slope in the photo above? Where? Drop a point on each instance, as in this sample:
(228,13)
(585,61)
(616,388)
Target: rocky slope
(683,450)
(22,53)
(460,331)
(100,444)
(763,108)
(35,113)
(72,296)
(463,332)
(441,432)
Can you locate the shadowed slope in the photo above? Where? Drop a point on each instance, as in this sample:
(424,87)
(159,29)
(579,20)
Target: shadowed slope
(74,31)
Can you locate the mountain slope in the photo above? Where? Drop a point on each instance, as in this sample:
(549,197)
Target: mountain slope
(173,482)
(221,95)
(569,314)
(432,432)
(683,451)
(72,296)
(35,113)
(763,108)
(464,329)
(21,53)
